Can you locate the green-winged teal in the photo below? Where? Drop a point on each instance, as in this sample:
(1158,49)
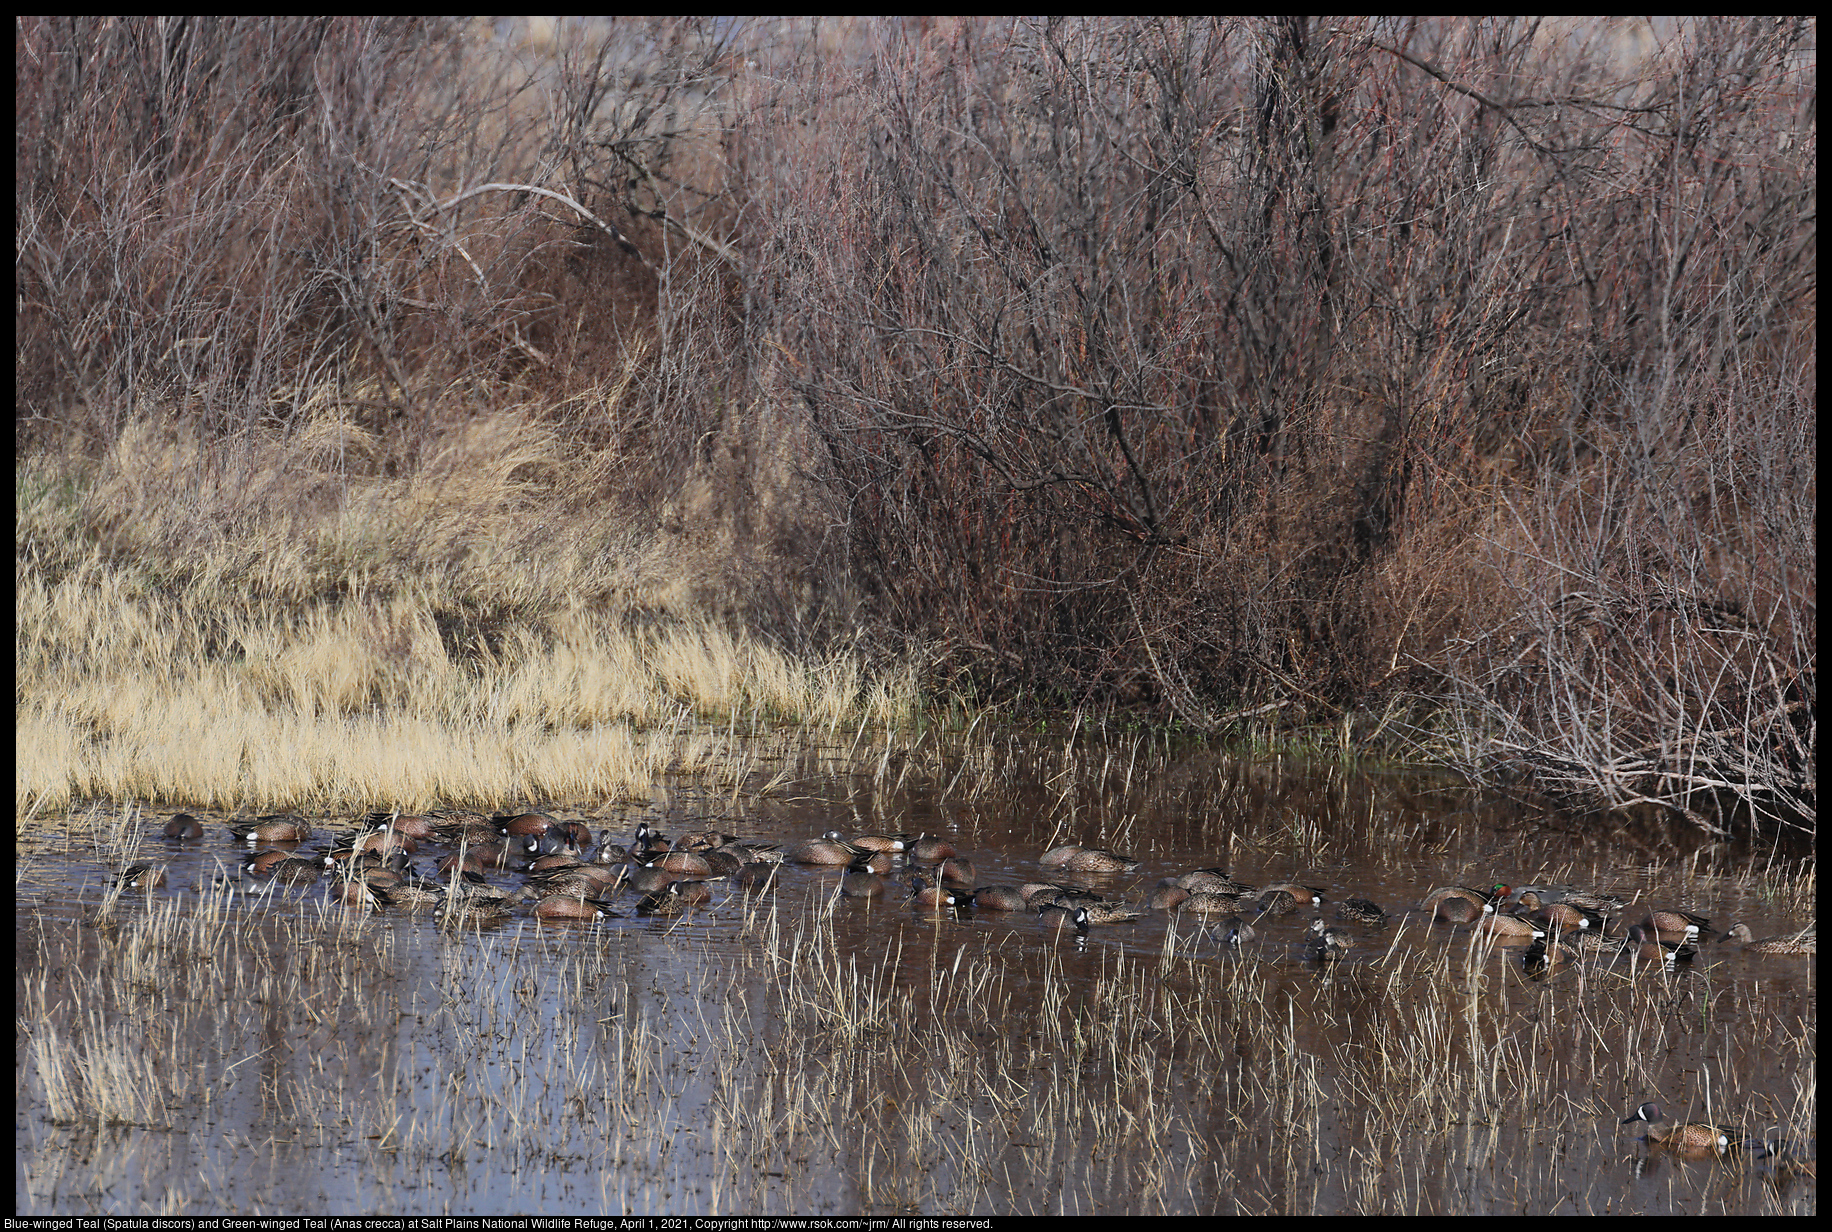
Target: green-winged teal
(1071,858)
(183,827)
(272,829)
(1802,942)
(141,877)
(1689,1136)
(1361,911)
(1323,944)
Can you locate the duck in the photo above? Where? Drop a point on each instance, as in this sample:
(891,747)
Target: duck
(1646,945)
(1323,944)
(1287,897)
(1076,859)
(141,877)
(1802,942)
(183,828)
(1692,1135)
(1090,914)
(1461,904)
(1233,931)
(1361,911)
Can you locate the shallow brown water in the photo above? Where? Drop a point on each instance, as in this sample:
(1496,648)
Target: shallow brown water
(790,1053)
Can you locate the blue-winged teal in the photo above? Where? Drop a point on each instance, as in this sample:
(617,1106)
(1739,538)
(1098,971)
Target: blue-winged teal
(473,911)
(1204,902)
(1000,898)
(1361,911)
(1233,931)
(355,892)
(1535,897)
(416,826)
(469,832)
(1066,897)
(1666,924)
(1166,897)
(1075,859)
(1323,944)
(1802,942)
(674,898)
(860,881)
(648,843)
(141,877)
(481,858)
(924,892)
(1545,954)
(957,873)
(1287,897)
(572,907)
(272,829)
(1569,917)
(1507,924)
(1646,945)
(722,861)
(650,880)
(1208,881)
(929,849)
(1690,1136)
(183,827)
(1461,904)
(685,863)
(824,851)
(521,825)
(1089,914)
(386,842)
(291,869)
(758,875)
(586,881)
(872,842)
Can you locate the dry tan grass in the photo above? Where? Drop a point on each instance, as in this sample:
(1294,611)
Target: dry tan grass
(469,633)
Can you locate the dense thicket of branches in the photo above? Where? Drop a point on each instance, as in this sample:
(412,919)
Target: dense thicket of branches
(1459,368)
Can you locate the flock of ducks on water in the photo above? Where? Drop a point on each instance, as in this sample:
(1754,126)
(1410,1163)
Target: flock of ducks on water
(571,875)
(372,868)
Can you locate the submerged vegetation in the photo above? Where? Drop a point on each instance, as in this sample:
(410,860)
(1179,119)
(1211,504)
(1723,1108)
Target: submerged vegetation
(409,391)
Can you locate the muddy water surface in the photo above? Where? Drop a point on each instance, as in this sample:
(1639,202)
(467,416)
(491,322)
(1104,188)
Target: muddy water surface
(795,1052)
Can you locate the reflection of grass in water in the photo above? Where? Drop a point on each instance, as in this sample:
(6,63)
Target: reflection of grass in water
(952,1069)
